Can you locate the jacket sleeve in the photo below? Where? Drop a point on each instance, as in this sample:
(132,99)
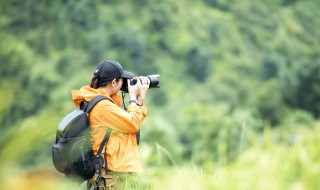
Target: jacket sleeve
(112,116)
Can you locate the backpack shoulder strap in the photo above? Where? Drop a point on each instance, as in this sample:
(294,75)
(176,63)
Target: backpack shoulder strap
(104,141)
(98,166)
(94,101)
(89,107)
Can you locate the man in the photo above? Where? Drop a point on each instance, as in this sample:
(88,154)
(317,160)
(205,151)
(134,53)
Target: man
(121,149)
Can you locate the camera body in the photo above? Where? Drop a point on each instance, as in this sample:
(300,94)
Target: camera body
(154,82)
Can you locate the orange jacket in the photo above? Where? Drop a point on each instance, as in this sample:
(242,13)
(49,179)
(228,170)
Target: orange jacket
(122,149)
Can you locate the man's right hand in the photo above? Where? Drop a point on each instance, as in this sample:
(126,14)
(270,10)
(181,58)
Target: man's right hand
(134,90)
(145,82)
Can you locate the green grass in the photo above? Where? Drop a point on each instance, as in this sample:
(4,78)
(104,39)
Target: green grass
(267,164)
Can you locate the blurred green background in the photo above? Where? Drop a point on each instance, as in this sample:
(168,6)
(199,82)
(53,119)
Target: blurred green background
(239,103)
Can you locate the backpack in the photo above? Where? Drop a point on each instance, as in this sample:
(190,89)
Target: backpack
(72,151)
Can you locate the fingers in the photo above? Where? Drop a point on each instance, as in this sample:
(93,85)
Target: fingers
(144,83)
(147,81)
(140,88)
(144,80)
(134,90)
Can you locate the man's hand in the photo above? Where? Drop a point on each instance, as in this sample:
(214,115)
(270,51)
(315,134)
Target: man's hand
(145,82)
(134,90)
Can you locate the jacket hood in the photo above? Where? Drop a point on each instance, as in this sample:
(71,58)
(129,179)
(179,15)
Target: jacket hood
(87,93)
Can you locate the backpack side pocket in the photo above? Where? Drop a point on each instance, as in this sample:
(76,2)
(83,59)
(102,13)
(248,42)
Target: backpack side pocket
(59,161)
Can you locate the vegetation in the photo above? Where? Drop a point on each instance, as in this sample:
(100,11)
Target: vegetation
(238,106)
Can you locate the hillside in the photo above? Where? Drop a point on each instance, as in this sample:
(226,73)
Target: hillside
(231,72)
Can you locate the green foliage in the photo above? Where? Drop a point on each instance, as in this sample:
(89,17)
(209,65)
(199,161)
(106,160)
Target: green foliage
(301,86)
(230,72)
(205,128)
(269,104)
(199,64)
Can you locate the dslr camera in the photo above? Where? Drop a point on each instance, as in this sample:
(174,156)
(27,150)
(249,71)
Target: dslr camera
(154,82)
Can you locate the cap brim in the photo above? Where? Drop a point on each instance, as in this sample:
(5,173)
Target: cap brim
(127,75)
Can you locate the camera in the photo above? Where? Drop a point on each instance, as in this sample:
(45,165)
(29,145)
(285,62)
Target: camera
(154,82)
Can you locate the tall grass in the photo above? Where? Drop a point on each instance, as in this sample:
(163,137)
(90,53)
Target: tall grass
(267,164)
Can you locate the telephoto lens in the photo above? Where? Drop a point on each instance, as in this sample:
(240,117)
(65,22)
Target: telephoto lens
(154,82)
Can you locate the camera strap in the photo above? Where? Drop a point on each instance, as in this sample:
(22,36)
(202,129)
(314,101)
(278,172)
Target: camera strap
(125,108)
(123,96)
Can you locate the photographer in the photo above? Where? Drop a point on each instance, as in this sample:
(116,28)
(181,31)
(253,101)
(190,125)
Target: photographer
(121,149)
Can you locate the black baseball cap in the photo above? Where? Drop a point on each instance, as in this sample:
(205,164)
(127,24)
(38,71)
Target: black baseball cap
(109,70)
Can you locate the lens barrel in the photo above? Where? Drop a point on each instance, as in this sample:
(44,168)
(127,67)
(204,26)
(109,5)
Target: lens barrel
(154,82)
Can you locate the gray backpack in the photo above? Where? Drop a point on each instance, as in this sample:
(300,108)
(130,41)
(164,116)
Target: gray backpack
(72,151)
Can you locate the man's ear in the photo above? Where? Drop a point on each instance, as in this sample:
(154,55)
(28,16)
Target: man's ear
(114,83)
